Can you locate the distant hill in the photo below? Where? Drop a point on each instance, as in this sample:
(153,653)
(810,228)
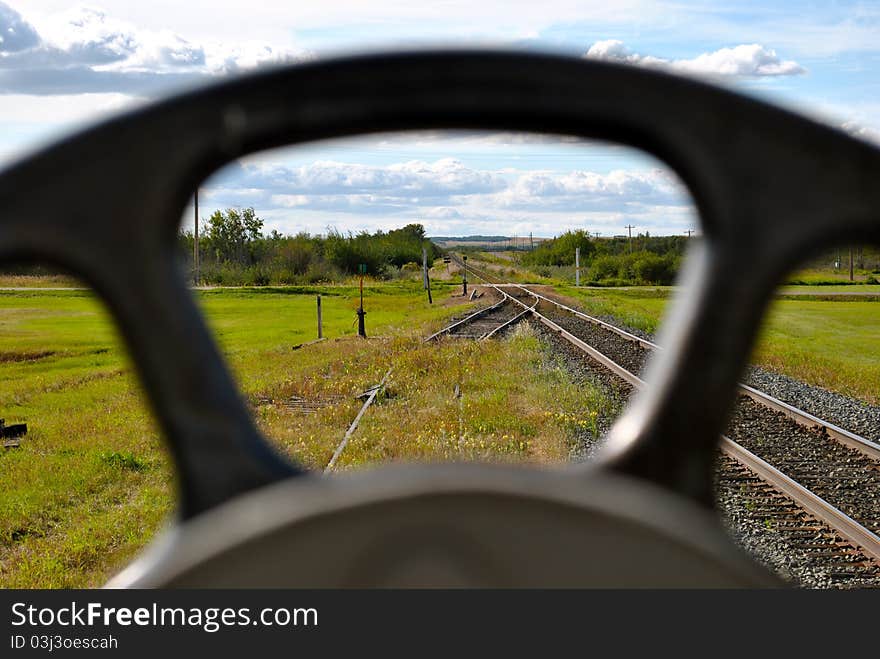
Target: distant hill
(469,239)
(488,243)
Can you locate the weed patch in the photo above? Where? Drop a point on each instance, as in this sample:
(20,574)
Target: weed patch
(127,461)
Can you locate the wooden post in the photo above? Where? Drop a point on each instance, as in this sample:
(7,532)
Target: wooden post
(362,329)
(320,323)
(851,263)
(428,281)
(425,267)
(577,266)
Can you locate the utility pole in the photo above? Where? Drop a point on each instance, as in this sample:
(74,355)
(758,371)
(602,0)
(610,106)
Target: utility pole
(577,266)
(689,232)
(851,263)
(196,241)
(630,227)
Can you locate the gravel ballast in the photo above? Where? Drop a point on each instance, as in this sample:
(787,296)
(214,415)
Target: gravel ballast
(855,415)
(767,524)
(849,413)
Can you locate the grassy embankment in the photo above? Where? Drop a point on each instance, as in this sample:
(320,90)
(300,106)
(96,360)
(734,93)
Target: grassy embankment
(829,276)
(37,281)
(91,482)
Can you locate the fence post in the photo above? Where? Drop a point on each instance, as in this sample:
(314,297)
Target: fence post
(362,328)
(577,266)
(320,323)
(425,267)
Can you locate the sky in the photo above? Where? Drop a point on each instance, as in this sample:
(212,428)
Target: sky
(65,65)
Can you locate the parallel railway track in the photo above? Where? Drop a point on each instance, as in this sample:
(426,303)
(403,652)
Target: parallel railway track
(486,322)
(818,482)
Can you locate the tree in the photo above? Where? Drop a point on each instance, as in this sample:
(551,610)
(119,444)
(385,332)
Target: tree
(560,250)
(229,234)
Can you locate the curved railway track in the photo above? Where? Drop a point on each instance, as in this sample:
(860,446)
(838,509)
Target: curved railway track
(816,483)
(486,322)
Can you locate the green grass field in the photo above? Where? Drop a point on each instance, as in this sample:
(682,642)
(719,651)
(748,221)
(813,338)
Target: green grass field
(835,289)
(91,482)
(830,276)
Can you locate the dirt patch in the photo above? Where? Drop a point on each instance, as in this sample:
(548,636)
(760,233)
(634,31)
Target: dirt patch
(486,295)
(26,356)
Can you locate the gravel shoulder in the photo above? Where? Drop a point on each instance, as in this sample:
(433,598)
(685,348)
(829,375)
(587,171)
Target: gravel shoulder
(849,413)
(768,525)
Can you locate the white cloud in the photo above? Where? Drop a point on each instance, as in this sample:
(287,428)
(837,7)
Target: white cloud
(89,36)
(446,176)
(61,111)
(15,33)
(745,60)
(86,50)
(448,196)
(583,190)
(275,20)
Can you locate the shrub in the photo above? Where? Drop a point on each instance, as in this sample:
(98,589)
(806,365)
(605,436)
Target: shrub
(126,461)
(604,267)
(560,250)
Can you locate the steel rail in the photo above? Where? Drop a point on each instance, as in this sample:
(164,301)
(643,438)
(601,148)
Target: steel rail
(508,323)
(596,321)
(504,298)
(480,274)
(600,357)
(849,529)
(856,534)
(842,435)
(463,321)
(374,391)
(862,444)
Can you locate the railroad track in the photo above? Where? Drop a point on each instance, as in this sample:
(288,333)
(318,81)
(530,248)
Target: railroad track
(816,484)
(486,322)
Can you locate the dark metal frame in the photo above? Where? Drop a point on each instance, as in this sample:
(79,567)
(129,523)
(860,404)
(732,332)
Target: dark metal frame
(770,187)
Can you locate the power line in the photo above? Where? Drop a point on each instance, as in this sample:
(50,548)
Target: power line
(630,227)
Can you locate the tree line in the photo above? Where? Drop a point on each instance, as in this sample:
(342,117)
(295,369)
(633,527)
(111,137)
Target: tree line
(234,251)
(617,261)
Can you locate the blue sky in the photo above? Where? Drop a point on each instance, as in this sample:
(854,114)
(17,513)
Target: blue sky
(64,65)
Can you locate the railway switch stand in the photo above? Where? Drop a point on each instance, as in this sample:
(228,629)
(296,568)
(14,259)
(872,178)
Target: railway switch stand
(464,276)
